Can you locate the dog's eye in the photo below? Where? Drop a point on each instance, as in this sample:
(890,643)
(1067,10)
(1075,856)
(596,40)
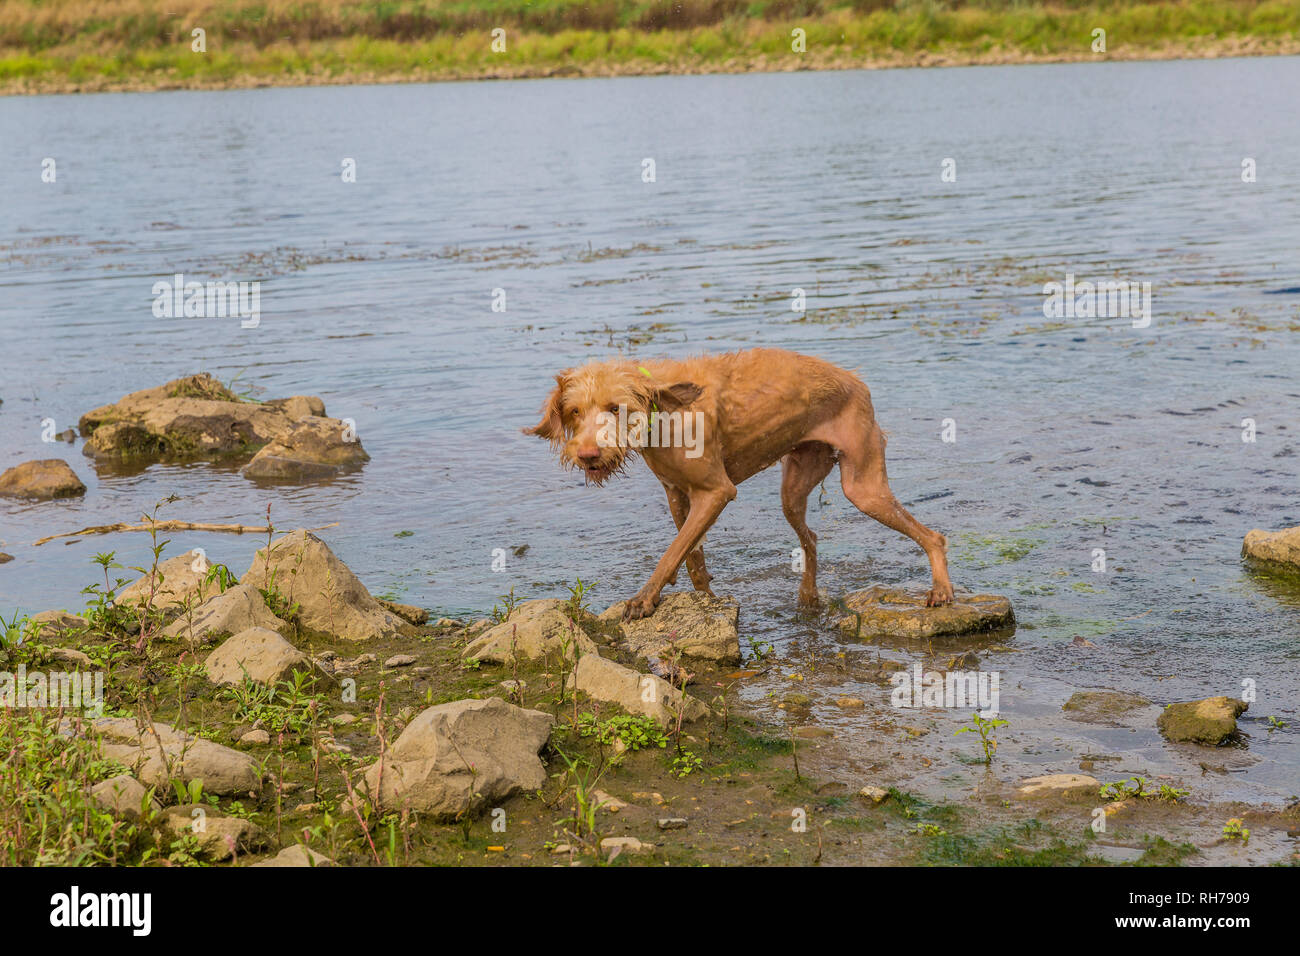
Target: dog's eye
(613,409)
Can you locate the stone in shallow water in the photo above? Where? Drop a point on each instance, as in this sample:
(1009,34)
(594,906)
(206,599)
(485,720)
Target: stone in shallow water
(1102,706)
(1280,549)
(41,480)
(693,623)
(1059,784)
(894,612)
(1212,721)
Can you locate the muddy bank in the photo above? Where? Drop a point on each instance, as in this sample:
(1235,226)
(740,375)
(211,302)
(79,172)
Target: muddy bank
(310,738)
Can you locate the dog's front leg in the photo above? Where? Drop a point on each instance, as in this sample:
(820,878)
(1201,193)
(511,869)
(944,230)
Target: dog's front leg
(705,506)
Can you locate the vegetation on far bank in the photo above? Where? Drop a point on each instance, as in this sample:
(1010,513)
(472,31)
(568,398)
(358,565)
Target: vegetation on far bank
(149,44)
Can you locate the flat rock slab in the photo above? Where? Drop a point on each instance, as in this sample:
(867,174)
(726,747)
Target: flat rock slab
(1279,548)
(687,622)
(1059,785)
(897,613)
(1103,706)
(222,770)
(234,610)
(42,480)
(1211,721)
(535,630)
(462,757)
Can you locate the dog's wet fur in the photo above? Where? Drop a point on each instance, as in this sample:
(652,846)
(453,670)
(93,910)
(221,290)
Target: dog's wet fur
(755,408)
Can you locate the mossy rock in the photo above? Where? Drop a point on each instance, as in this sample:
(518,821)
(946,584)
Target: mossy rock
(1212,721)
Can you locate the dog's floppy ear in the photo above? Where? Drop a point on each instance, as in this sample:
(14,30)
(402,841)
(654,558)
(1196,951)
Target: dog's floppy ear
(673,397)
(551,427)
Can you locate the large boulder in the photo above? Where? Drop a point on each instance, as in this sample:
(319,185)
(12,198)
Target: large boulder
(460,757)
(191,417)
(641,694)
(534,630)
(314,448)
(236,609)
(690,622)
(886,612)
(162,753)
(41,480)
(302,568)
(1280,548)
(173,583)
(261,654)
(1211,721)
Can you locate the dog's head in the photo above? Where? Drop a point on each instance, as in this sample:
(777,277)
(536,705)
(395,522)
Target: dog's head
(581,416)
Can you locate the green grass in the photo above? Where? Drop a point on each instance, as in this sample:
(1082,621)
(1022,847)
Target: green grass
(143,46)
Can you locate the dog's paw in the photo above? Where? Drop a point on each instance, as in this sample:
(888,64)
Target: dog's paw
(939,596)
(639,607)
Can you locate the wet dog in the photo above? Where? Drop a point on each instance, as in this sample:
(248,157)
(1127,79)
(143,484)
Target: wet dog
(704,425)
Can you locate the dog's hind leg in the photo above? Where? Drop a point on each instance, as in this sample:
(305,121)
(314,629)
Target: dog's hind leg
(862,473)
(680,506)
(801,471)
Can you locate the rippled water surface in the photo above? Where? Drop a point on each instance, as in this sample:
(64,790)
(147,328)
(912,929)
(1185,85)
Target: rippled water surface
(1072,434)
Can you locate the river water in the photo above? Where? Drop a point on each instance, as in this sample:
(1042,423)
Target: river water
(1072,434)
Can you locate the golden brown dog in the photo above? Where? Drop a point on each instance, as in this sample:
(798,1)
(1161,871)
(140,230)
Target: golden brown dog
(704,425)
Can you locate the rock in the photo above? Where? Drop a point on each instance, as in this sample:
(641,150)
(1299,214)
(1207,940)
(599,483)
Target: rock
(297,855)
(608,802)
(1274,547)
(874,794)
(688,622)
(53,624)
(237,609)
(5,558)
(219,837)
(1102,706)
(222,770)
(343,720)
(1059,784)
(255,738)
(428,767)
(812,733)
(850,703)
(68,656)
(261,654)
(536,630)
(412,614)
(124,797)
(314,448)
(331,600)
(400,660)
(626,845)
(42,480)
(893,612)
(189,417)
(794,701)
(672,823)
(177,580)
(1211,721)
(641,694)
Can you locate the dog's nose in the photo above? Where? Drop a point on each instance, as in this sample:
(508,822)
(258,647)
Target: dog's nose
(589,453)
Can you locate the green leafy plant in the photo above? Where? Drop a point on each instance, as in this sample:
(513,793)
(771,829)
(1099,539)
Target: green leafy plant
(986,728)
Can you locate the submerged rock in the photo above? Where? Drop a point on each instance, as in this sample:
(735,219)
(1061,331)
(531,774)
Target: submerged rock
(190,417)
(261,654)
(315,448)
(330,598)
(688,622)
(460,757)
(894,612)
(642,694)
(42,480)
(236,609)
(1210,721)
(1059,784)
(222,770)
(1102,706)
(1274,547)
(535,630)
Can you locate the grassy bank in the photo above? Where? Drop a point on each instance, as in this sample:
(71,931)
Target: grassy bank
(146,44)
